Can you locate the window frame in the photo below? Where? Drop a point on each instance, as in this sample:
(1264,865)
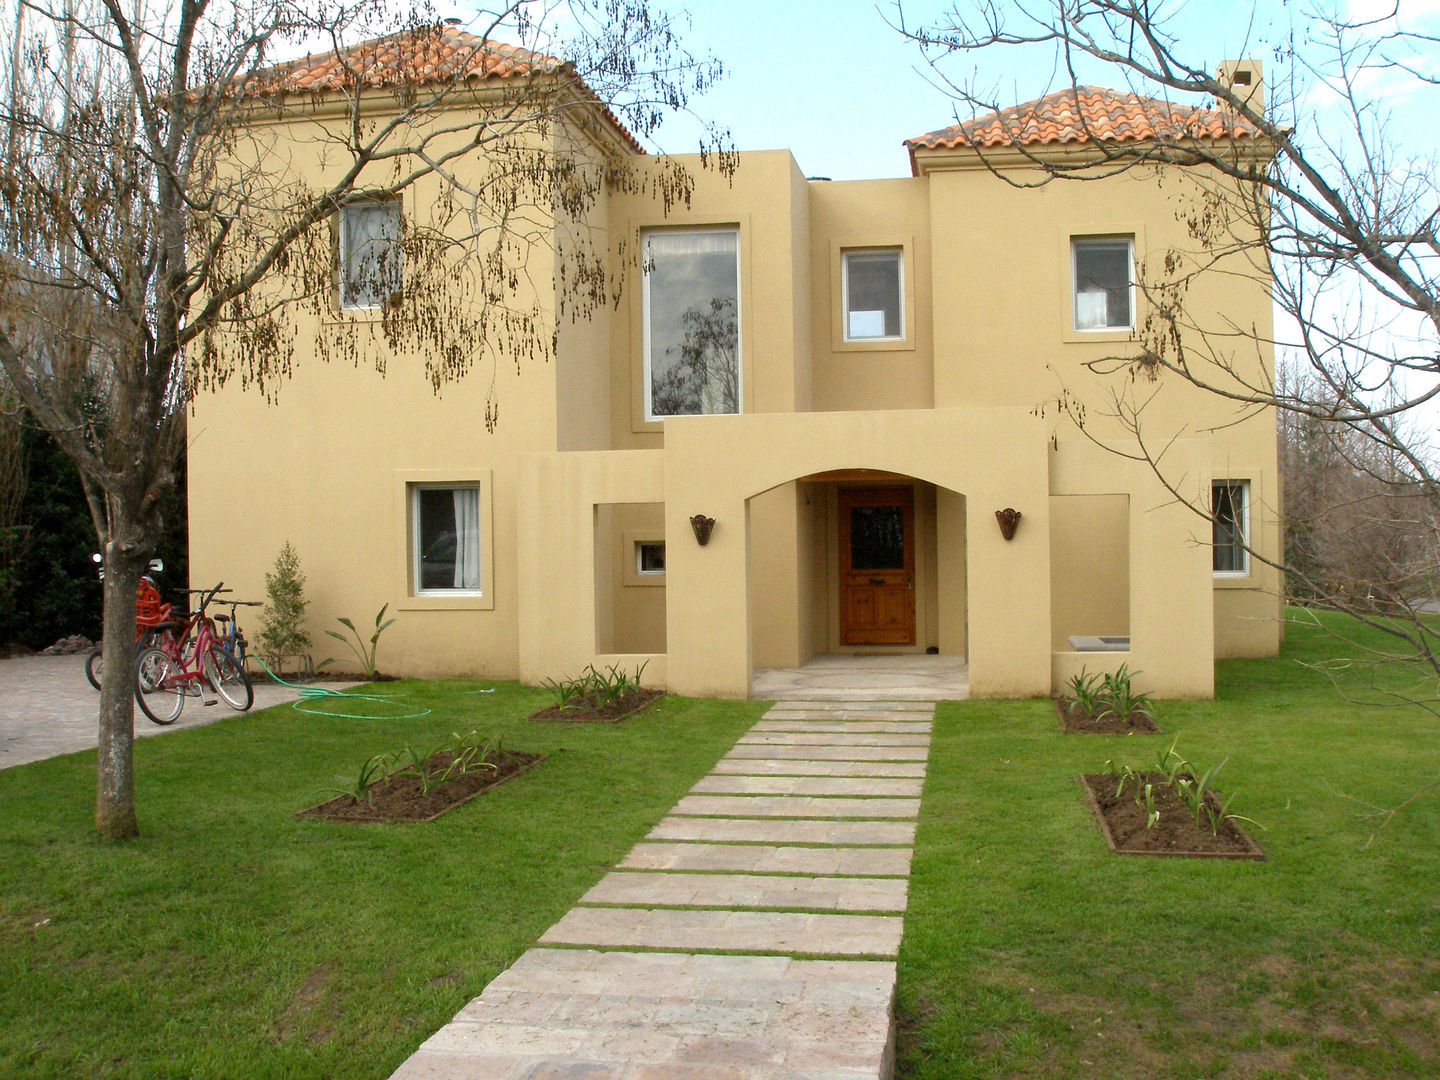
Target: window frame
(631,574)
(417,588)
(640,546)
(1241,544)
(1076,244)
(402,559)
(898,252)
(648,417)
(342,302)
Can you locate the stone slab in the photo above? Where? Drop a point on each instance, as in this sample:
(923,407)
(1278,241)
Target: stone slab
(752,766)
(795,806)
(668,1017)
(814,723)
(783,831)
(735,931)
(831,753)
(749,891)
(830,738)
(840,705)
(768,859)
(809,785)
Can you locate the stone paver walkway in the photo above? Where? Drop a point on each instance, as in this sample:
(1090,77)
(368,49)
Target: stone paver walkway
(794,853)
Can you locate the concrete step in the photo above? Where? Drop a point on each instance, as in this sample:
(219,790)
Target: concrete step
(781,831)
(576,1013)
(768,859)
(760,766)
(830,753)
(795,806)
(830,738)
(817,724)
(749,891)
(726,930)
(809,785)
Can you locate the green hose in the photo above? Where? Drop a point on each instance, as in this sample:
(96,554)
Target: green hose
(309,694)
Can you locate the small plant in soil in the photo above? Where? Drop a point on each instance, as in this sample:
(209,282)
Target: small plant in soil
(417,784)
(364,652)
(1106,702)
(1178,780)
(596,695)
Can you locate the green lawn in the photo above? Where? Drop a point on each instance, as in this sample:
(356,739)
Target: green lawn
(234,940)
(1031,951)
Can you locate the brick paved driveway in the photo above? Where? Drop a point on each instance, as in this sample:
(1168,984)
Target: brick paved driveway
(47,708)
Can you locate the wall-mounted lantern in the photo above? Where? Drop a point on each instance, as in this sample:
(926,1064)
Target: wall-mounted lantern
(1008,519)
(702,526)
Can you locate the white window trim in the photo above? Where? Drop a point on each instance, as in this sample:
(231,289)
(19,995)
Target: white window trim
(1076,243)
(341,254)
(404,574)
(1244,523)
(845,254)
(416,589)
(646,385)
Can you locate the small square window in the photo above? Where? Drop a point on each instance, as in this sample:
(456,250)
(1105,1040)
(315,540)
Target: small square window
(1101,274)
(873,295)
(1230,512)
(445,538)
(650,557)
(370,256)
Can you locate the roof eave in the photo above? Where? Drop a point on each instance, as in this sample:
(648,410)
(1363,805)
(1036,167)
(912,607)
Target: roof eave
(1079,154)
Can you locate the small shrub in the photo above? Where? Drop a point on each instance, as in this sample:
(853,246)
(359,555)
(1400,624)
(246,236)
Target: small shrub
(282,624)
(363,652)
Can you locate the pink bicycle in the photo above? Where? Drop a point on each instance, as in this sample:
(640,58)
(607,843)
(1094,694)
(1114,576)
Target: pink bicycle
(165,677)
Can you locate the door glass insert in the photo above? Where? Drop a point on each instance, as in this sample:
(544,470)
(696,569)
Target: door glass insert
(877,538)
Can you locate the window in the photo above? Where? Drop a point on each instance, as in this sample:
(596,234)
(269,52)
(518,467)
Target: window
(650,557)
(1101,275)
(445,538)
(692,341)
(371,260)
(873,290)
(1230,510)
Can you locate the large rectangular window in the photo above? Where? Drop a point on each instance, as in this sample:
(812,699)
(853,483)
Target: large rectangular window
(692,311)
(1101,271)
(1230,512)
(873,287)
(371,263)
(445,538)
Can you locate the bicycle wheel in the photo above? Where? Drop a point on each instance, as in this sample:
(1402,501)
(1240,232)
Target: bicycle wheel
(228,678)
(95,668)
(159,686)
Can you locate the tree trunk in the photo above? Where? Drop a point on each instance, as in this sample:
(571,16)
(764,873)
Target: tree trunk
(115,770)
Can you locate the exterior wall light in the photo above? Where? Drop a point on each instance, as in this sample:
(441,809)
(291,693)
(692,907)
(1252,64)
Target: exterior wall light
(702,526)
(1008,519)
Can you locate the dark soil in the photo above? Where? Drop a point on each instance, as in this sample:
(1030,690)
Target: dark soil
(588,711)
(1106,725)
(398,796)
(1175,833)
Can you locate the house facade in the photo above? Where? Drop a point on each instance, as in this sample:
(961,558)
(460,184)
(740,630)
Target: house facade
(790,434)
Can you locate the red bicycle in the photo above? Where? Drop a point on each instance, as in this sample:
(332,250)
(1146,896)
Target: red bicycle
(150,614)
(187,666)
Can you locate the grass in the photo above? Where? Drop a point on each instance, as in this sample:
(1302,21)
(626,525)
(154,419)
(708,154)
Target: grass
(1031,951)
(232,939)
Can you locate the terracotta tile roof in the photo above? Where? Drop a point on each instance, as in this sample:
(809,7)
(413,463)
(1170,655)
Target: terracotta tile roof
(420,57)
(1087,114)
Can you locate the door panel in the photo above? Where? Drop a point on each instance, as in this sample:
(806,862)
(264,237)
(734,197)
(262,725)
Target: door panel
(877,566)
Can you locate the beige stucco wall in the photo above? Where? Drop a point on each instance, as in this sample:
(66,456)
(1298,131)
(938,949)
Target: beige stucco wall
(1089,566)
(960,406)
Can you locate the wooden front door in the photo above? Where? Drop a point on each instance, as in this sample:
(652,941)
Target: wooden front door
(877,566)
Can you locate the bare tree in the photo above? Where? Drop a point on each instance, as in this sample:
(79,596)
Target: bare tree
(155,239)
(1311,193)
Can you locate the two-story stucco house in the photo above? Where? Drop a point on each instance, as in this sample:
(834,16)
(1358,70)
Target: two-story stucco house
(850,379)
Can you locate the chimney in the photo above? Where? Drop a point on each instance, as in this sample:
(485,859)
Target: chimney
(1245,81)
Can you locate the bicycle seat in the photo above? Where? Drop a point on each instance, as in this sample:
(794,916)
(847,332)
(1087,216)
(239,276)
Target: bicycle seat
(221,618)
(168,625)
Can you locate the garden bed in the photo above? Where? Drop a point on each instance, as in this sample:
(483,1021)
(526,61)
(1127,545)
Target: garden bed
(590,710)
(400,796)
(1073,719)
(1175,831)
